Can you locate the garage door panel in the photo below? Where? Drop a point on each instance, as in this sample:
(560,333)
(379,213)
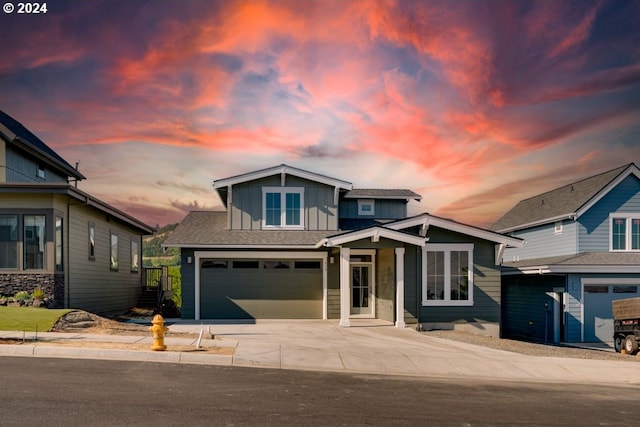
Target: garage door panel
(598,316)
(261,293)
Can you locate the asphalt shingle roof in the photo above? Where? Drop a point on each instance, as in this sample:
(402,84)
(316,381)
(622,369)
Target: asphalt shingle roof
(585,258)
(209,228)
(556,203)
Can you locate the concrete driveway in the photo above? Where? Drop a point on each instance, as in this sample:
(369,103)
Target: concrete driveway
(373,346)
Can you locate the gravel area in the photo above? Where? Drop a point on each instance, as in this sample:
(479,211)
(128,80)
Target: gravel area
(532,349)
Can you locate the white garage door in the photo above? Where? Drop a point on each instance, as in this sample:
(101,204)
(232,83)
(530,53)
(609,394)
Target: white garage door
(598,317)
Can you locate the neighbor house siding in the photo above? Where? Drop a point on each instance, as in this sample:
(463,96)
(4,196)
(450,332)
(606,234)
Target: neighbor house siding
(188,280)
(383,209)
(594,224)
(93,285)
(320,212)
(21,168)
(544,241)
(523,311)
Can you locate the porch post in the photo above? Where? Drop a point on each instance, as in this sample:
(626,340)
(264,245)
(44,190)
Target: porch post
(345,300)
(400,288)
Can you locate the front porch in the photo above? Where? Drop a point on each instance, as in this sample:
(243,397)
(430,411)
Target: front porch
(371,265)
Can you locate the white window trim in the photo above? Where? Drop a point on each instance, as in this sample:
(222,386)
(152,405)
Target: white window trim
(557,229)
(366,202)
(628,227)
(447,248)
(283,191)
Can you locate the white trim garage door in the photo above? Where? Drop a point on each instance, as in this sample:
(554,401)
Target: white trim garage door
(254,288)
(598,317)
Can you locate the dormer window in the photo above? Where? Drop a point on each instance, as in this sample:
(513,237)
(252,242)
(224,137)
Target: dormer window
(366,207)
(283,207)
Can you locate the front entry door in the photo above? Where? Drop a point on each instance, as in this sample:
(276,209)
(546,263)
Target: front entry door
(361,292)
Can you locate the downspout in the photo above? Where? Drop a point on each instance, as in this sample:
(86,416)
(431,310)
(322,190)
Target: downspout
(418,278)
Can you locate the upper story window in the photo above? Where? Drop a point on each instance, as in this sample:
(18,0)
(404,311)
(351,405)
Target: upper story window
(283,207)
(449,275)
(625,232)
(40,173)
(557,229)
(366,207)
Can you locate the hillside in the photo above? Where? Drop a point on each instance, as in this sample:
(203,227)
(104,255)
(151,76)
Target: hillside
(152,253)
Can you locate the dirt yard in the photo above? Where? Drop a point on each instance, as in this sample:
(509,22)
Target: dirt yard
(89,323)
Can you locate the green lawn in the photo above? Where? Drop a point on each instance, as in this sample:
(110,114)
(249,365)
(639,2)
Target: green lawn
(29,319)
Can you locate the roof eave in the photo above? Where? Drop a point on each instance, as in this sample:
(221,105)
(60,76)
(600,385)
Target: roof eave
(281,169)
(572,215)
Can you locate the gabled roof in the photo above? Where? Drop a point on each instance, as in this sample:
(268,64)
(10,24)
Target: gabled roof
(377,193)
(282,169)
(569,201)
(426,220)
(22,137)
(374,233)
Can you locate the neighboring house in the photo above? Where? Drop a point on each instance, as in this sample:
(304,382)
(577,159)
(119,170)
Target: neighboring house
(582,251)
(293,244)
(80,251)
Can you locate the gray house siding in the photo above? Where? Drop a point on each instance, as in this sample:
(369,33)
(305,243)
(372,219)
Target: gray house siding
(320,212)
(383,209)
(594,224)
(487,288)
(333,285)
(93,285)
(544,241)
(21,168)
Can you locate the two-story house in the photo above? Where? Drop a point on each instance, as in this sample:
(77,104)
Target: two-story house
(582,251)
(82,252)
(294,244)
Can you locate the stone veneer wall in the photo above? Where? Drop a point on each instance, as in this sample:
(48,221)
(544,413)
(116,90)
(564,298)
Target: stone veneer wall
(51,284)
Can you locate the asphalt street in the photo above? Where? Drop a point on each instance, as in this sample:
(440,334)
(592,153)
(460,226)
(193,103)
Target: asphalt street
(70,392)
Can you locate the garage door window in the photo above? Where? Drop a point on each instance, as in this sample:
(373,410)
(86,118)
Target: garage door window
(594,289)
(308,265)
(625,289)
(269,265)
(215,264)
(246,264)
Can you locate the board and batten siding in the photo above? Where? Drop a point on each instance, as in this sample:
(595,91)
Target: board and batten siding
(487,284)
(383,209)
(594,224)
(544,241)
(92,285)
(21,168)
(320,212)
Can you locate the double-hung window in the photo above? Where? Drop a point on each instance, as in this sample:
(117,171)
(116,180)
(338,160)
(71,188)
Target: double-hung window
(283,207)
(624,232)
(448,274)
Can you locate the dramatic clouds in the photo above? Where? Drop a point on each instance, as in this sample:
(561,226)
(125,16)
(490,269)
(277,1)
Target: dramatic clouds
(473,104)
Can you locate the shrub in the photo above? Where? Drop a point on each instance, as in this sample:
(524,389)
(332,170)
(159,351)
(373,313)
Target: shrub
(38,294)
(22,296)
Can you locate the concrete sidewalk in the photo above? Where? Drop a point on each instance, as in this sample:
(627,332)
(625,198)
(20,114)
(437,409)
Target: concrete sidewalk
(368,347)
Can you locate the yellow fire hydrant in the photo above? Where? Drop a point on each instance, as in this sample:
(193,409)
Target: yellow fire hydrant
(158,330)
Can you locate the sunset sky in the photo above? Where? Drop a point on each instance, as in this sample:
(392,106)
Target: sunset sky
(473,104)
